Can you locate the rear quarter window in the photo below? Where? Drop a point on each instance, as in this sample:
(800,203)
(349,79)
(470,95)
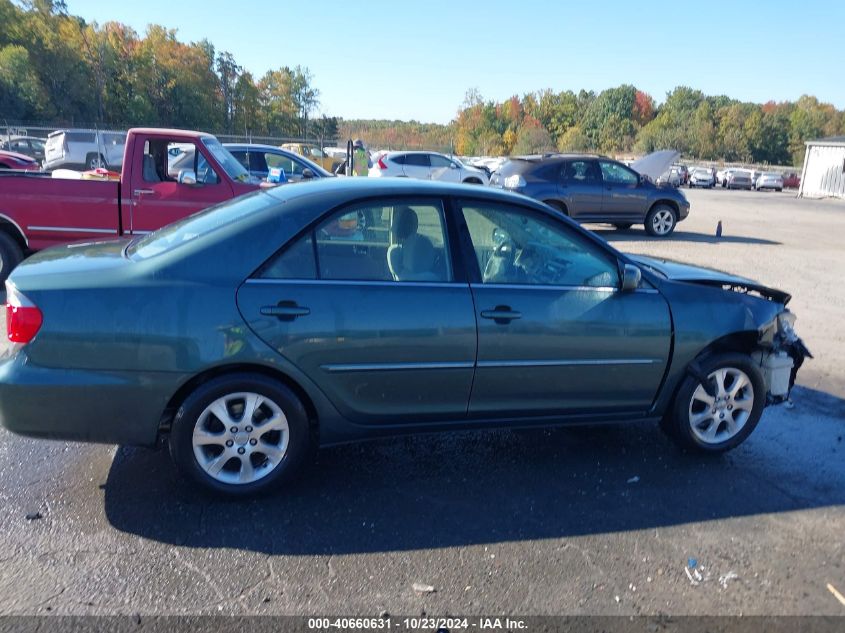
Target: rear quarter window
(79,137)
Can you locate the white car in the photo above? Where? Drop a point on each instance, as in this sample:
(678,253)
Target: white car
(702,177)
(724,175)
(84,149)
(426,166)
(769,180)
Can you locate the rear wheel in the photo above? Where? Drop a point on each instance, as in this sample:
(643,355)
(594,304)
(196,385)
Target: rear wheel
(717,416)
(660,221)
(95,161)
(240,435)
(11,254)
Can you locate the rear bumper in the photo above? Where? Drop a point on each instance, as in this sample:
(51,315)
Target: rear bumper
(113,407)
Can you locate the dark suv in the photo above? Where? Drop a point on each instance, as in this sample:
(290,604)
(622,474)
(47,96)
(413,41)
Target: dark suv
(595,189)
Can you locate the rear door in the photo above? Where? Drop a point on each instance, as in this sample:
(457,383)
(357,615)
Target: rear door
(378,344)
(157,198)
(624,197)
(417,166)
(581,187)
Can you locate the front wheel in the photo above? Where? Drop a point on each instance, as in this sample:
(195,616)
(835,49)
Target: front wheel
(719,414)
(240,435)
(660,221)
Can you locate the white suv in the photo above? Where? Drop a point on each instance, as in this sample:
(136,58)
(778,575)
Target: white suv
(84,149)
(427,166)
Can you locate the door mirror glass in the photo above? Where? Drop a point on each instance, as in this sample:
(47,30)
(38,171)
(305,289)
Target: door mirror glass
(187,177)
(308,173)
(631,277)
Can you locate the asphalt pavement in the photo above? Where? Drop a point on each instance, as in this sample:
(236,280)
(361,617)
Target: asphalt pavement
(609,520)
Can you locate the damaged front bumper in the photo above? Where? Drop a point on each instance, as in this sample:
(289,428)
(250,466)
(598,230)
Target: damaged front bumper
(780,355)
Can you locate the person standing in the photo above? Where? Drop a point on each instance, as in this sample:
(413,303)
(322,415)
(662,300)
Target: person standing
(361,162)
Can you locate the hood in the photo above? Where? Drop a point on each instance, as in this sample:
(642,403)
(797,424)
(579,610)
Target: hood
(655,164)
(709,277)
(21,157)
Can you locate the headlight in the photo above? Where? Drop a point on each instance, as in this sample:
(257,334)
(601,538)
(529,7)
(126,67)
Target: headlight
(514,182)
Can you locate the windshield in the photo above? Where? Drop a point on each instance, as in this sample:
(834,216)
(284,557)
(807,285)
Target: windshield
(228,162)
(201,223)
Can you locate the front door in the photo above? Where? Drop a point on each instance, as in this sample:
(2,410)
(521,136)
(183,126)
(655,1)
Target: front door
(368,307)
(157,198)
(556,335)
(624,198)
(581,187)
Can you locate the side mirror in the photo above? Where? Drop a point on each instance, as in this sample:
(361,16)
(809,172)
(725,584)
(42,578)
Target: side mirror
(308,173)
(631,277)
(453,165)
(187,177)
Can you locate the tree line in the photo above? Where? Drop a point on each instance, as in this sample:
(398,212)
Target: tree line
(626,120)
(57,68)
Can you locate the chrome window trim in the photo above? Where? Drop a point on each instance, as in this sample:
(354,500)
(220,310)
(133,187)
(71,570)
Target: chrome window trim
(359,367)
(357,282)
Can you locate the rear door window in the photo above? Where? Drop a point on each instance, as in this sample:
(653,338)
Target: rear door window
(417,160)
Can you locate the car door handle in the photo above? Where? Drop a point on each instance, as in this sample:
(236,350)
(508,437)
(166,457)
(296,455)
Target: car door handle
(285,311)
(501,314)
(143,192)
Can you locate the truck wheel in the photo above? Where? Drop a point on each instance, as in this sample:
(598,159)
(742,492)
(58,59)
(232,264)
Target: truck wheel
(94,161)
(11,254)
(240,435)
(717,417)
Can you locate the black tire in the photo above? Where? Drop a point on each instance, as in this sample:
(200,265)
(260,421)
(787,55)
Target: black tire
(188,416)
(778,190)
(11,254)
(623,226)
(661,209)
(94,160)
(677,423)
(472,181)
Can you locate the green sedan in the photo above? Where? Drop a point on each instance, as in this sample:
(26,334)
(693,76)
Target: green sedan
(340,310)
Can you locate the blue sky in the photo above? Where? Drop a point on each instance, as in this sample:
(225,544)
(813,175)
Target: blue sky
(416,60)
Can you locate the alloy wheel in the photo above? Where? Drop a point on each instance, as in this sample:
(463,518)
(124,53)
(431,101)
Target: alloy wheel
(662,222)
(240,438)
(717,418)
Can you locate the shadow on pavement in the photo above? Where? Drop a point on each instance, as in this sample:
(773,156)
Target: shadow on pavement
(636,234)
(476,488)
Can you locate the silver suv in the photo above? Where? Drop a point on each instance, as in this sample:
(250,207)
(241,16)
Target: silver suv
(84,149)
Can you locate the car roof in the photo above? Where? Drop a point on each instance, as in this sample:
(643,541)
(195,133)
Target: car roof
(554,156)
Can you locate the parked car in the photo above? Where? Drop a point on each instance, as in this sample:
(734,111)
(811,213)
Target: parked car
(37,211)
(27,145)
(315,155)
(755,174)
(14,160)
(426,166)
(739,179)
(703,177)
(723,175)
(769,180)
(672,178)
(258,159)
(247,334)
(683,173)
(84,149)
(791,180)
(595,189)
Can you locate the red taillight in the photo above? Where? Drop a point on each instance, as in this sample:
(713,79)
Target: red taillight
(381,164)
(23,318)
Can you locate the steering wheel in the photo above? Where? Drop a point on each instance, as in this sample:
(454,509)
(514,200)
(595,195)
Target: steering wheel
(500,267)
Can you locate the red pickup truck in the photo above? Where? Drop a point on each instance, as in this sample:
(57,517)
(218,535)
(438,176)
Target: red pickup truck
(167,175)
